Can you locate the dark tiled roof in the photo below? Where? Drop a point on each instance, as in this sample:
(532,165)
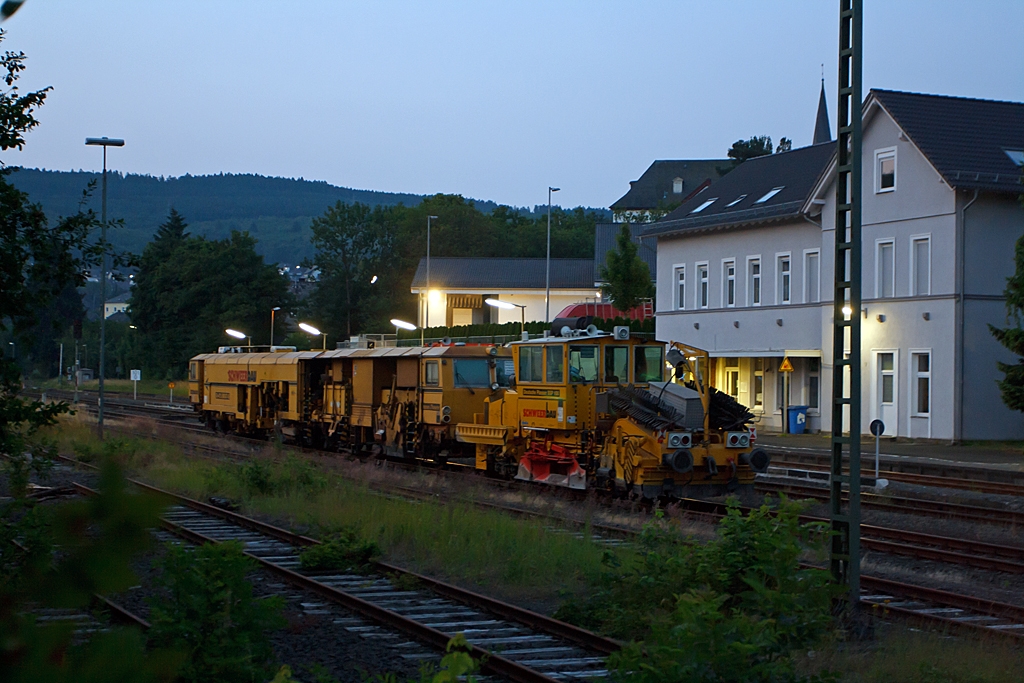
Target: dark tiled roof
(504,273)
(963,138)
(796,172)
(604,241)
(654,188)
(120,298)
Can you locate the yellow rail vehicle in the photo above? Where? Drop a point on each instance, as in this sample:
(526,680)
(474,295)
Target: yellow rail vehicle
(592,409)
(399,401)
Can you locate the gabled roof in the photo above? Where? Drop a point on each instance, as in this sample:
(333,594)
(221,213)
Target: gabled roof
(605,236)
(503,273)
(796,172)
(120,298)
(655,187)
(964,139)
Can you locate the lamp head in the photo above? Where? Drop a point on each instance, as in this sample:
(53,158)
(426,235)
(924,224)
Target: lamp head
(402,324)
(499,304)
(309,329)
(235,333)
(105,142)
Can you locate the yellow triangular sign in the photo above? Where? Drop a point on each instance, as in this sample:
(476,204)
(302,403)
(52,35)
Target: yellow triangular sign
(786,365)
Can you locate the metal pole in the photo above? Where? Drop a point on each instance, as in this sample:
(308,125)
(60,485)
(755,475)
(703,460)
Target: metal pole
(547,268)
(60,367)
(426,306)
(272,310)
(103,294)
(845,520)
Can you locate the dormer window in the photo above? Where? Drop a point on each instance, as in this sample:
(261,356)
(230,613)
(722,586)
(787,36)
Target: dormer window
(677,186)
(705,205)
(736,201)
(769,194)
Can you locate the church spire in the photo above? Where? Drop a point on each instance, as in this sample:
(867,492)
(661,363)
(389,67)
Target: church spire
(822,131)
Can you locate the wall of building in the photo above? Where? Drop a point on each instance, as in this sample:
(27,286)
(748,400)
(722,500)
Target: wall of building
(532,299)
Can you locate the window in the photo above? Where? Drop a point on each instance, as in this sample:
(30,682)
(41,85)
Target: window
(1016,156)
(759,383)
(530,363)
(885,170)
(556,364)
(769,194)
(754,280)
(582,363)
(471,372)
(648,363)
(702,291)
(503,371)
(705,204)
(728,284)
(680,287)
(616,364)
(193,372)
(812,277)
(921,364)
(732,377)
(920,266)
(885,264)
(736,201)
(677,186)
(430,373)
(784,279)
(780,390)
(887,368)
(813,382)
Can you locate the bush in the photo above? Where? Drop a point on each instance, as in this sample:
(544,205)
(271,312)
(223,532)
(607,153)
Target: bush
(344,550)
(207,610)
(256,477)
(730,610)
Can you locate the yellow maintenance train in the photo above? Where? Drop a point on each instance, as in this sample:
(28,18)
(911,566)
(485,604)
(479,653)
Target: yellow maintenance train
(579,408)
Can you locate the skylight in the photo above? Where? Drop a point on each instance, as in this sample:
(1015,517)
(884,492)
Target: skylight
(705,205)
(736,201)
(1016,156)
(771,193)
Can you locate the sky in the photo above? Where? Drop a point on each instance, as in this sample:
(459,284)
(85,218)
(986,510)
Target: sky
(491,100)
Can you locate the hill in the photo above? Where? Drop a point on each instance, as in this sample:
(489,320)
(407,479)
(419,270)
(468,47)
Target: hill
(276,211)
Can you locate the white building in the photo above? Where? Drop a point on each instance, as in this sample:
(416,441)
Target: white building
(459,285)
(118,304)
(745,269)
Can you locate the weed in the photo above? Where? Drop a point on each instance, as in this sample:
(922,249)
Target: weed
(344,550)
(457,666)
(207,610)
(256,478)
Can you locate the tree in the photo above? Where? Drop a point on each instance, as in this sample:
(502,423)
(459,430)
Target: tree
(785,145)
(628,277)
(353,243)
(741,150)
(1012,384)
(188,289)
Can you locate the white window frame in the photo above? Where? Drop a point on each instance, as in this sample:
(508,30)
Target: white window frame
(677,186)
(879,243)
(677,283)
(702,290)
(913,375)
(881,154)
(779,256)
(726,264)
(705,204)
(750,281)
(914,239)
(807,254)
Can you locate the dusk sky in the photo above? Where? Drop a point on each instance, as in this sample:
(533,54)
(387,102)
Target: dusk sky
(485,99)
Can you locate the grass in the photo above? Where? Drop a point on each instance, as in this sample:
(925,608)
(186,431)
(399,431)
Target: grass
(154,387)
(488,550)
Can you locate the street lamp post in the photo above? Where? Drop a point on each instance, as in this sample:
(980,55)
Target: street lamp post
(426,308)
(240,335)
(273,310)
(508,305)
(103,142)
(547,265)
(403,325)
(309,329)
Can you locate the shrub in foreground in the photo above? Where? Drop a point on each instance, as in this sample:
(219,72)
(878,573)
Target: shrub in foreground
(343,550)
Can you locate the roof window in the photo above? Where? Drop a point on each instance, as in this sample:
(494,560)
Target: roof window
(736,201)
(1016,156)
(769,194)
(706,204)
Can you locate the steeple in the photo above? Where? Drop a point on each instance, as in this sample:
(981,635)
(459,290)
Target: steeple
(822,131)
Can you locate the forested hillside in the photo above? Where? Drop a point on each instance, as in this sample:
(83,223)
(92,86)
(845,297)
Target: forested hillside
(275,211)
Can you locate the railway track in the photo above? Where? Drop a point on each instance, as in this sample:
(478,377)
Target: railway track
(515,643)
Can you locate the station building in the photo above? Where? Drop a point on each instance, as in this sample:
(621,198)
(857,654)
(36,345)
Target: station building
(745,270)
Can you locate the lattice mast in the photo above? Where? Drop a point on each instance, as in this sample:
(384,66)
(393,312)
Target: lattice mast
(846,342)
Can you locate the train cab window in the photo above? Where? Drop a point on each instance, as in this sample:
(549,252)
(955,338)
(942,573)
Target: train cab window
(504,370)
(616,364)
(582,363)
(530,364)
(192,371)
(556,364)
(431,377)
(471,372)
(648,365)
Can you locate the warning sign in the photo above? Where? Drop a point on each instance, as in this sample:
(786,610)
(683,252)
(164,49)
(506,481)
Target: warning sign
(786,365)
(170,385)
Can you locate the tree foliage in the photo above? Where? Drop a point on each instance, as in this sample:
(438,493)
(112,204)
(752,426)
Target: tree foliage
(756,146)
(1012,385)
(189,289)
(628,277)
